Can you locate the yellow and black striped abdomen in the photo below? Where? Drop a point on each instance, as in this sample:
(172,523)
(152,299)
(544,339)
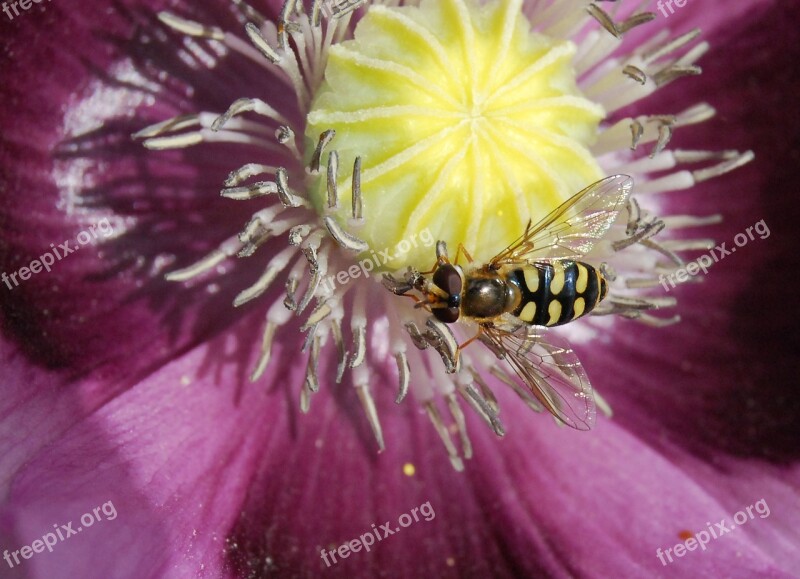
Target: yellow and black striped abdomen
(556,292)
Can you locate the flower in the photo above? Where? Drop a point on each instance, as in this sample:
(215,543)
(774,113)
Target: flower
(460,123)
(196,459)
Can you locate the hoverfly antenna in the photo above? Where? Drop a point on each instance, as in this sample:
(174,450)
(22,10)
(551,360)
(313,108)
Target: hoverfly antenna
(441,252)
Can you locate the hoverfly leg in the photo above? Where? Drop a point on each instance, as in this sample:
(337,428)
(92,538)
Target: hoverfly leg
(468,342)
(462,249)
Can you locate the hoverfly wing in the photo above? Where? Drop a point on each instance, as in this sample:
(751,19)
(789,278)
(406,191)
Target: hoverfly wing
(572,228)
(549,369)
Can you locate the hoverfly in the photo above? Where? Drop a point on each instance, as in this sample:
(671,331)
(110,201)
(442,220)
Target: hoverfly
(535,283)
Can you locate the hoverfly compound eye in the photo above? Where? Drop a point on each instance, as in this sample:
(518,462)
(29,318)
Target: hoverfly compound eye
(448,278)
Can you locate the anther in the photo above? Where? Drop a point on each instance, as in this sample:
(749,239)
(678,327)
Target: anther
(311,369)
(442,339)
(441,429)
(404,373)
(635,73)
(325,138)
(359,345)
(365,396)
(260,189)
(470,394)
(243,173)
(461,424)
(244,105)
(190,27)
(332,176)
(343,238)
(338,339)
(358,205)
(285,194)
(261,43)
(286,137)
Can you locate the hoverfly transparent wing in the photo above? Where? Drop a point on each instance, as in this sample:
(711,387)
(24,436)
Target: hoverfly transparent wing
(572,228)
(549,369)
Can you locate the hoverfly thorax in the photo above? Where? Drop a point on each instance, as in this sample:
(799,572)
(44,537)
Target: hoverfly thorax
(489,295)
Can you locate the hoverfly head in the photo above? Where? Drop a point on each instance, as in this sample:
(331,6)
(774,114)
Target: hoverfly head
(448,279)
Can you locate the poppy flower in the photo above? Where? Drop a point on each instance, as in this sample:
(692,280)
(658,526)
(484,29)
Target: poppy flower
(155,428)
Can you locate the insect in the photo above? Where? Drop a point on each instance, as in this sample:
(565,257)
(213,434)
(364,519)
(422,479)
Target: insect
(535,283)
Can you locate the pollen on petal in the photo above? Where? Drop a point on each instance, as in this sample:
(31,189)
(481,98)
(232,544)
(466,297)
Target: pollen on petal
(468,125)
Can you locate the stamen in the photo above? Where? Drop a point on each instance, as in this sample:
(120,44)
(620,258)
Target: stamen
(311,291)
(604,19)
(635,20)
(244,105)
(285,194)
(243,173)
(333,175)
(674,72)
(486,391)
(670,255)
(365,396)
(261,43)
(460,424)
(338,339)
(277,316)
(249,13)
(359,344)
(442,339)
(286,137)
(637,130)
(276,265)
(174,142)
(322,311)
(404,373)
(343,238)
(417,337)
(175,124)
(226,249)
(671,46)
(190,27)
(358,207)
(438,424)
(253,191)
(316,159)
(482,409)
(312,381)
(635,73)
(262,226)
(724,167)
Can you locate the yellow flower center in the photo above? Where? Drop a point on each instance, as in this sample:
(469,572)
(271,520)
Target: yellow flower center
(468,125)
